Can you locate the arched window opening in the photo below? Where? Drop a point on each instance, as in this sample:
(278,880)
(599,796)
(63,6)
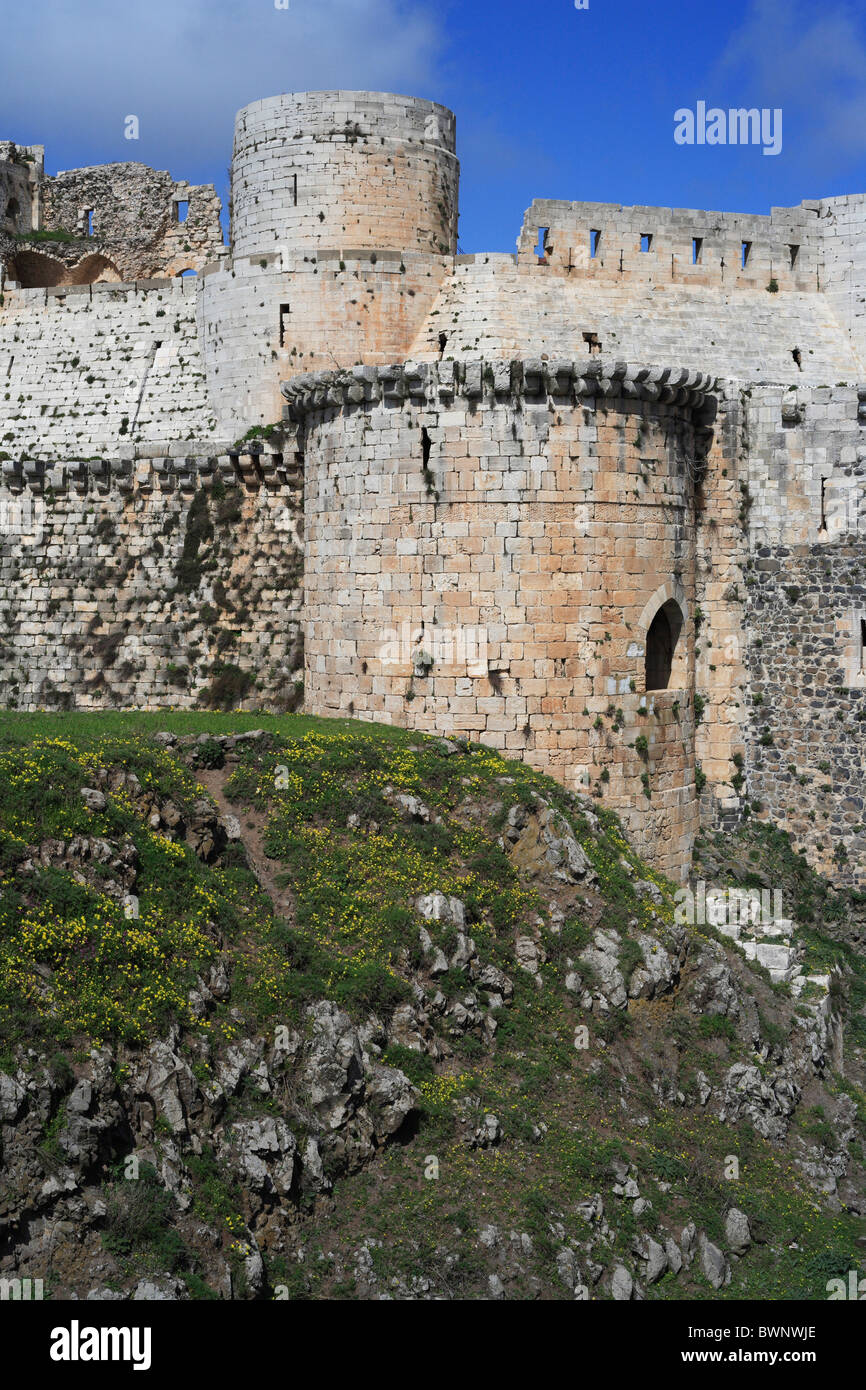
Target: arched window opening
(13,211)
(661,642)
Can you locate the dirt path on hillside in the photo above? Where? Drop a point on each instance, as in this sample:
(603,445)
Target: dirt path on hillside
(252,824)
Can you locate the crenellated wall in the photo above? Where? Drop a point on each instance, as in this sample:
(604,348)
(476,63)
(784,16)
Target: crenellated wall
(664,246)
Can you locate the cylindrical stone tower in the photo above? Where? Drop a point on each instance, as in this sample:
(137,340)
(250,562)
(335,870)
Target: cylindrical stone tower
(506,549)
(344,169)
(344,226)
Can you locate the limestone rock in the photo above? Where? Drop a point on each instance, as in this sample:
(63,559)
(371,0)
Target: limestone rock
(737,1232)
(93,799)
(713,1263)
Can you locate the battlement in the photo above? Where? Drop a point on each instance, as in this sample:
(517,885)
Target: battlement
(675,245)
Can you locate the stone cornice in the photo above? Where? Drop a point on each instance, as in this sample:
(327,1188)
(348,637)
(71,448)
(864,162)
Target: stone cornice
(559,379)
(154,467)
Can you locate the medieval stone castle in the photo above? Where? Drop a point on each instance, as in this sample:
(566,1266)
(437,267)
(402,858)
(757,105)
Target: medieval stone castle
(599,504)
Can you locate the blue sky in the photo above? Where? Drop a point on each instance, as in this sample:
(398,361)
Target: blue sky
(551,101)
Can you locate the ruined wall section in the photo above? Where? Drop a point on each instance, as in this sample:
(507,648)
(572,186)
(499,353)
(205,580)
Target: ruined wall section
(133,211)
(21,173)
(151,582)
(84,370)
(486,547)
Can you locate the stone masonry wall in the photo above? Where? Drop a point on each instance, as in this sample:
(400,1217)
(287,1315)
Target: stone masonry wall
(263,319)
(490,307)
(493,524)
(842,223)
(779,663)
(721,669)
(87,370)
(151,582)
(805,738)
(486,546)
(135,219)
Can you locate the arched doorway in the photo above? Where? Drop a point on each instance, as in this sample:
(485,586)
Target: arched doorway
(661,644)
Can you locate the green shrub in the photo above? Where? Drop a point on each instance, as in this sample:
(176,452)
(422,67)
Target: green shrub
(137,1223)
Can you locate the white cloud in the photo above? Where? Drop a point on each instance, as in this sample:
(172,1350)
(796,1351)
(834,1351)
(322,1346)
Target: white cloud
(72,70)
(810,59)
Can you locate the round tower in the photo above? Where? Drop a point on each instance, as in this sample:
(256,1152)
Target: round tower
(506,549)
(344,226)
(360,170)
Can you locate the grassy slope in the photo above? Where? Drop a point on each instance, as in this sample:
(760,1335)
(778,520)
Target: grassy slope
(73,970)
